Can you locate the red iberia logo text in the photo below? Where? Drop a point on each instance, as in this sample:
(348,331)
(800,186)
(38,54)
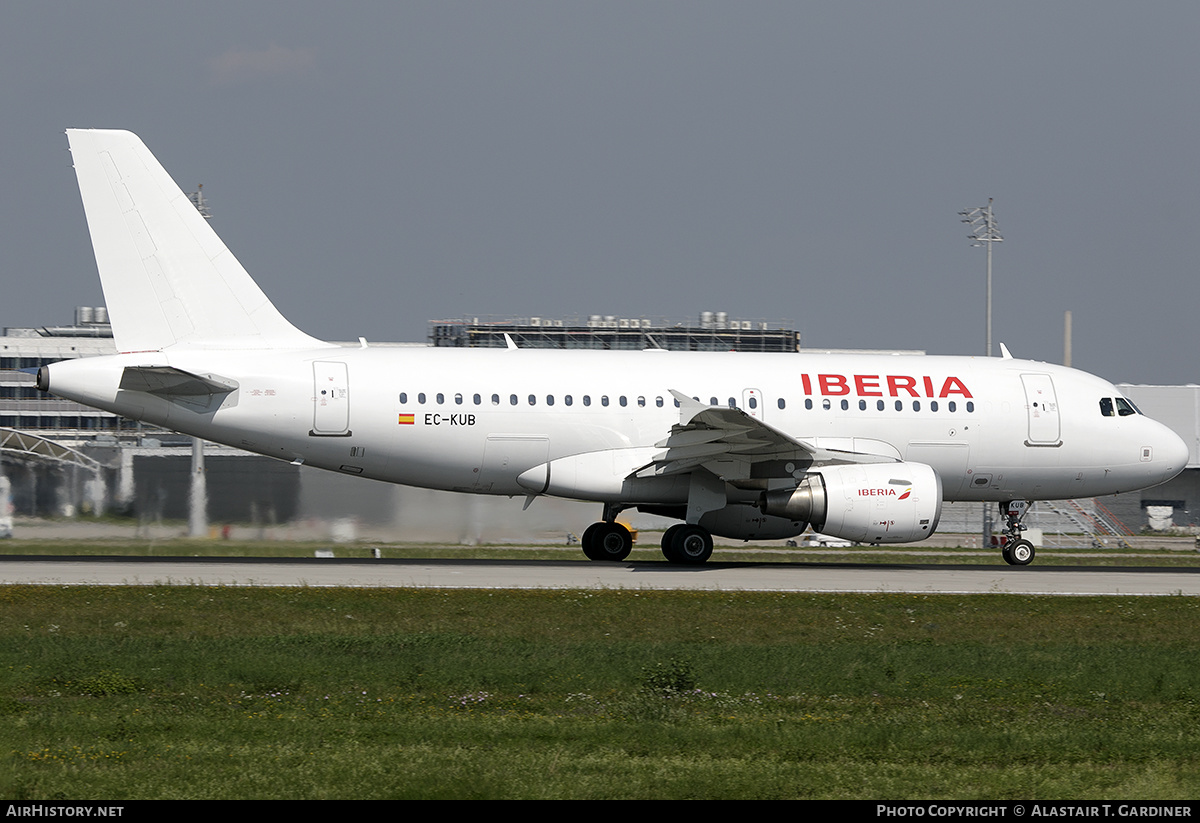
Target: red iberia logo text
(885,493)
(884,385)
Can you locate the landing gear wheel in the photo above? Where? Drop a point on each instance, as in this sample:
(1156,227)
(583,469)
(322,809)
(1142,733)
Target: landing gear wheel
(606,541)
(688,545)
(668,541)
(1019,553)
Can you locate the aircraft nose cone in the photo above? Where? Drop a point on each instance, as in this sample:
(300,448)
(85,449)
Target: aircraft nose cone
(1169,453)
(1174,454)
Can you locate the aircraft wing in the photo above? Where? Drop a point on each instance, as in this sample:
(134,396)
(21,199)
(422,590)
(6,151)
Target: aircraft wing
(736,446)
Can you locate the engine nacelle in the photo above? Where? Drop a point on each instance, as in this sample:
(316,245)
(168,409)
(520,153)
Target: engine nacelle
(744,522)
(866,503)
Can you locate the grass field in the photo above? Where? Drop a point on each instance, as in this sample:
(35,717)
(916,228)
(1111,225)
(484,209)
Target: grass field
(181,692)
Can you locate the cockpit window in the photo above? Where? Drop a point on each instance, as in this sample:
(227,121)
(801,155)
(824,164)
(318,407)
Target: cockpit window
(1117,406)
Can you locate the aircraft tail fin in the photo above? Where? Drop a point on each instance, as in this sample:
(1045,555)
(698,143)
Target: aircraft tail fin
(167,278)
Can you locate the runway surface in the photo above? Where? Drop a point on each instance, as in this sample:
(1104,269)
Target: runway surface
(541,574)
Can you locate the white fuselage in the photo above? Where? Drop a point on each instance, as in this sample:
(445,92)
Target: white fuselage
(751,446)
(491,421)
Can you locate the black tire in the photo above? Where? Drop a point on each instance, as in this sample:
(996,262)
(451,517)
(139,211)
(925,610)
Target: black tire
(607,542)
(668,542)
(691,546)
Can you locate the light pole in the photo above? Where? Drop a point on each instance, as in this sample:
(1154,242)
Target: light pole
(985,233)
(983,221)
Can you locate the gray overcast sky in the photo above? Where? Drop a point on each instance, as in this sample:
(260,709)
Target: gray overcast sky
(378,165)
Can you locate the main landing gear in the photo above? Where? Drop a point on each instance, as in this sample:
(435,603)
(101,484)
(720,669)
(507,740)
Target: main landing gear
(1017,550)
(687,544)
(606,541)
(609,540)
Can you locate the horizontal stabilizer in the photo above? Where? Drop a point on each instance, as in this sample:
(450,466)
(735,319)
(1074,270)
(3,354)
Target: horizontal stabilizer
(168,381)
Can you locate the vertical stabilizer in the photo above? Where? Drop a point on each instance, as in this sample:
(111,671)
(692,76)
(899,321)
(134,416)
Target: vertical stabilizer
(168,279)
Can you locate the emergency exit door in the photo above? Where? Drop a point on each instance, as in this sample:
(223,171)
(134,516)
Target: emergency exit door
(331,399)
(1041,405)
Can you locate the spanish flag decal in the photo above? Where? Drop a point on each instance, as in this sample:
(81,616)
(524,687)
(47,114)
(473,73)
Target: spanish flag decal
(406,420)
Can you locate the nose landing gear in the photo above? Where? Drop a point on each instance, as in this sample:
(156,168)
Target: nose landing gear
(1017,550)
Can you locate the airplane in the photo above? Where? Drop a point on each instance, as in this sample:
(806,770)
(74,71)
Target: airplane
(749,446)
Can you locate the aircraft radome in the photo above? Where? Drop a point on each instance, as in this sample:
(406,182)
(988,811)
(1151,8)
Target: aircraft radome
(748,446)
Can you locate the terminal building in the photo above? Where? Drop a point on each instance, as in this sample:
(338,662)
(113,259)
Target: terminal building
(714,332)
(61,458)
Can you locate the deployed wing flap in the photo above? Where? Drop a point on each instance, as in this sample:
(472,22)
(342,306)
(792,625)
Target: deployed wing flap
(725,440)
(168,381)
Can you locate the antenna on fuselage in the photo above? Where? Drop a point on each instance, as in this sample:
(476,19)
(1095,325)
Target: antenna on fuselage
(1067,339)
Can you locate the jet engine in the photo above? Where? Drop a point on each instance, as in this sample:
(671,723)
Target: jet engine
(744,522)
(866,503)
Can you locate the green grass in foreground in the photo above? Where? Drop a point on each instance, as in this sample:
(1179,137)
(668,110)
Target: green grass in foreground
(178,692)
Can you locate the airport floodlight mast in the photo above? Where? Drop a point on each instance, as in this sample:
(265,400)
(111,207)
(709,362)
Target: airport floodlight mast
(983,221)
(197,198)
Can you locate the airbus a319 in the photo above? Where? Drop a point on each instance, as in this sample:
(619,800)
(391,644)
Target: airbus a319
(741,445)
